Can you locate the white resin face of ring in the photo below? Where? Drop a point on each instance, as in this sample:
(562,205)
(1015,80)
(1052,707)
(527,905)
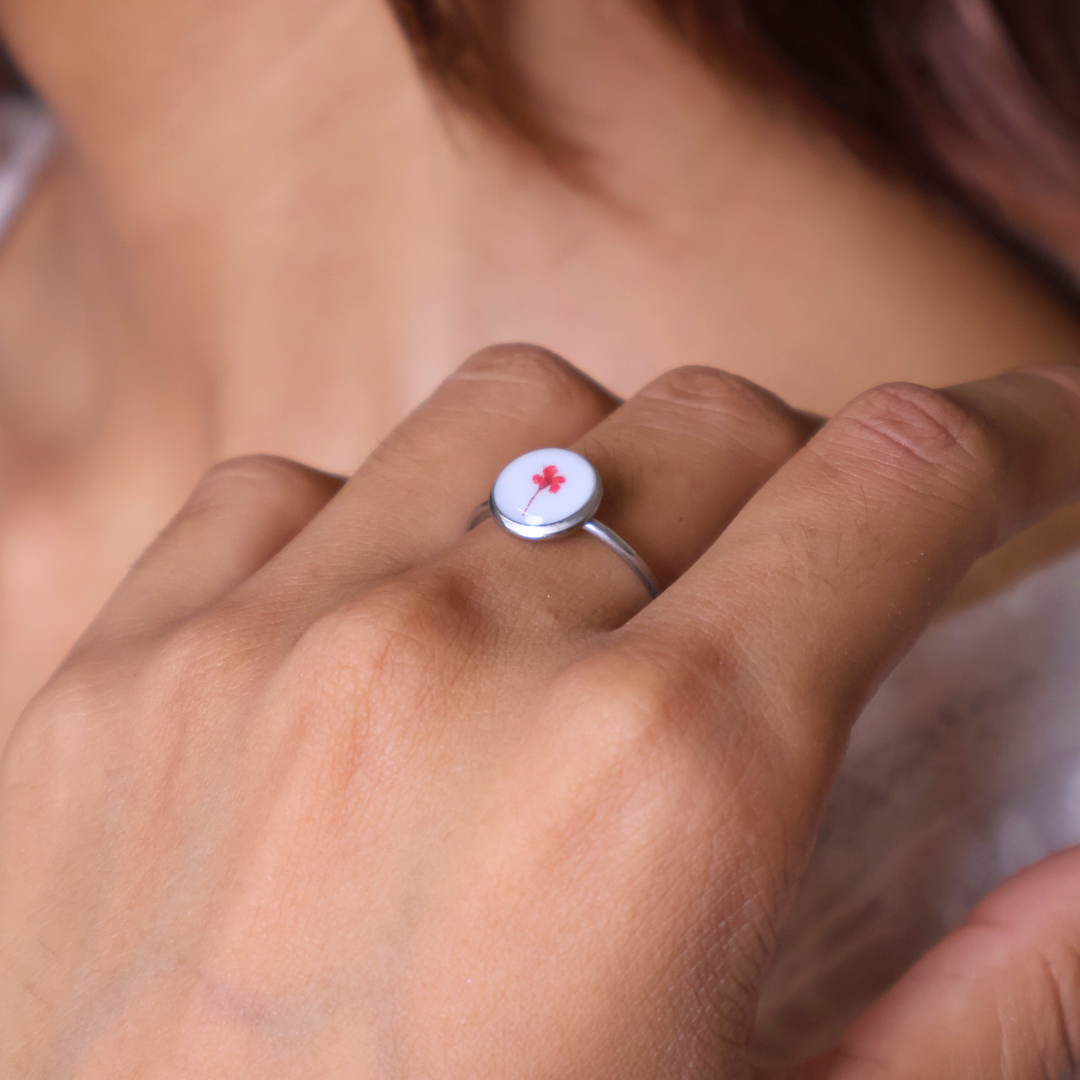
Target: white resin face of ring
(540,491)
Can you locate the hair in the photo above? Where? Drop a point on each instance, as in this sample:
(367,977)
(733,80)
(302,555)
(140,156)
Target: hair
(979,99)
(11,81)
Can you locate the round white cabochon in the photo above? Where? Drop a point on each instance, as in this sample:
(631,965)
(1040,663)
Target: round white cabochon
(545,486)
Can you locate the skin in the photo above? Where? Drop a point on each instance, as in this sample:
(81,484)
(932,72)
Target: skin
(292,273)
(466,793)
(331,790)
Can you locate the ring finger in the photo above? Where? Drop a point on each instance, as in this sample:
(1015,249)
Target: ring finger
(677,463)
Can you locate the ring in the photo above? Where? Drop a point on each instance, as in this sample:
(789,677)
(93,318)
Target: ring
(550,493)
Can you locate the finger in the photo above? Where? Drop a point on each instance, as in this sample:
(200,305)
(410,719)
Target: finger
(241,514)
(681,458)
(836,566)
(413,496)
(998,999)
(677,462)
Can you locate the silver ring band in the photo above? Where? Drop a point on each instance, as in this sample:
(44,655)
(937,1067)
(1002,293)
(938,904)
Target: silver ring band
(602,533)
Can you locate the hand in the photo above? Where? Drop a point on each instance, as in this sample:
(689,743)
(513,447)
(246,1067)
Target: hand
(331,789)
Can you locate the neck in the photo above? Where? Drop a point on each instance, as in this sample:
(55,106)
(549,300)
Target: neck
(297,237)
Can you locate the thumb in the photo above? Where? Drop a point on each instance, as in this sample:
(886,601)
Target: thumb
(999,999)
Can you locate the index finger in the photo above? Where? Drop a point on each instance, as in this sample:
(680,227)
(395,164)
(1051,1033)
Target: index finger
(831,572)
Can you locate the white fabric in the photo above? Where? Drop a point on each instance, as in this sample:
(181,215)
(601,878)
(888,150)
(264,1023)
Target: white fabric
(27,138)
(964,769)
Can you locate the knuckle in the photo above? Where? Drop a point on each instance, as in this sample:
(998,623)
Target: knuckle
(638,770)
(517,358)
(96,703)
(543,376)
(635,717)
(636,692)
(924,428)
(51,740)
(373,681)
(391,647)
(201,661)
(710,386)
(734,405)
(253,478)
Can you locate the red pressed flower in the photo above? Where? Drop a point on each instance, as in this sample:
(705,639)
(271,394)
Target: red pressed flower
(549,479)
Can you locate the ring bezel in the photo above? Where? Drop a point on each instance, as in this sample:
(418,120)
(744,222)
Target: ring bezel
(553,529)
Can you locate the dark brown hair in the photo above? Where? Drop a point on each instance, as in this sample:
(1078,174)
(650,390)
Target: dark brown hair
(978,98)
(11,82)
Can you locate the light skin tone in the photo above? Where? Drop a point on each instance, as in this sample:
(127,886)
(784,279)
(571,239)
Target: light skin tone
(328,790)
(265,238)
